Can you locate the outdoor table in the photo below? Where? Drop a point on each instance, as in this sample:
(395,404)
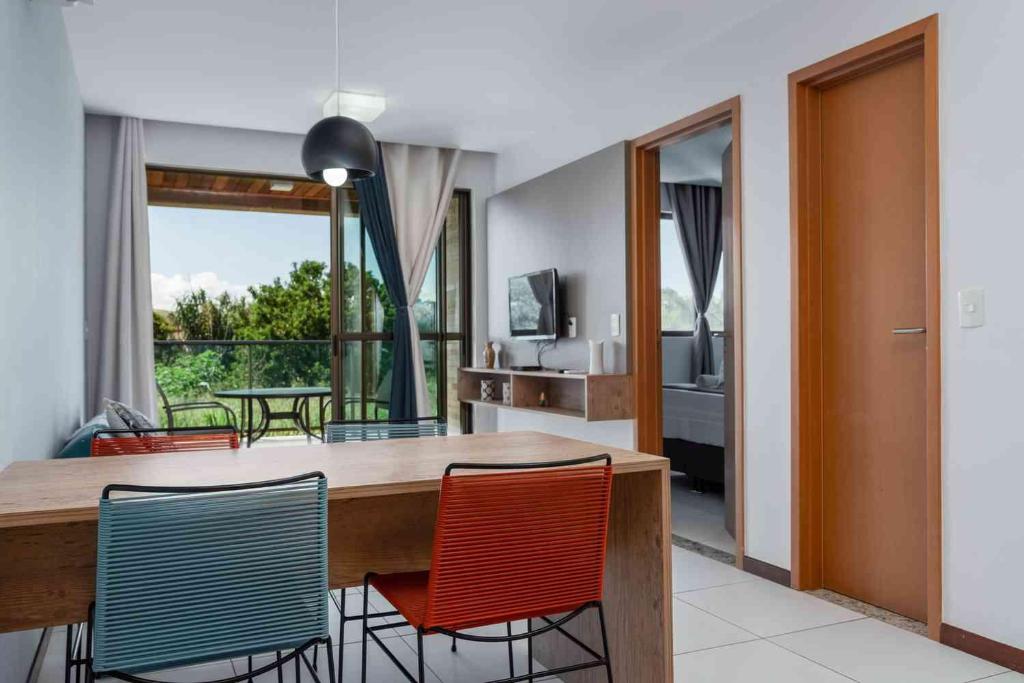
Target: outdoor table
(299,413)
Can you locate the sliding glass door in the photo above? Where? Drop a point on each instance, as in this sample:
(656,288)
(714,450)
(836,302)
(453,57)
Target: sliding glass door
(363,317)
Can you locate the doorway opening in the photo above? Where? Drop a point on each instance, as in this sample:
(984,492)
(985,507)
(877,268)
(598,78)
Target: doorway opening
(686,303)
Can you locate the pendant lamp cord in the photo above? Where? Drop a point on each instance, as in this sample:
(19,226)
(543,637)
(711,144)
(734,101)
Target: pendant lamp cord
(337,54)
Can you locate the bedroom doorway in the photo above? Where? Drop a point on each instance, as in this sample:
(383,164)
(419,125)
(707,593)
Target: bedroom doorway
(685,246)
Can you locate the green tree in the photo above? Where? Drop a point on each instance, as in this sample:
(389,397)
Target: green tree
(163,326)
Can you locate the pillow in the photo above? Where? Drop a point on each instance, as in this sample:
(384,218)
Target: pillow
(121,416)
(80,443)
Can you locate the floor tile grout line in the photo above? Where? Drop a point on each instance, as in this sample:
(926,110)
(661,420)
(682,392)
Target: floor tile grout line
(722,585)
(708,612)
(985,678)
(824,666)
(718,647)
(822,626)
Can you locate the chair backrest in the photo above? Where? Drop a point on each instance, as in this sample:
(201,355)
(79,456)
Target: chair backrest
(142,441)
(186,575)
(338,431)
(521,543)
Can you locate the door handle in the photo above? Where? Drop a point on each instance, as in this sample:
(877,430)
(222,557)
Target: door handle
(908,330)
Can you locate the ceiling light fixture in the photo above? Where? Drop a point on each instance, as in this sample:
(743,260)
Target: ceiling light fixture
(337,147)
(365,108)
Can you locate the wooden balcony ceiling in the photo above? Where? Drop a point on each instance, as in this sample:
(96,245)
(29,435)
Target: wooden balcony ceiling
(179,187)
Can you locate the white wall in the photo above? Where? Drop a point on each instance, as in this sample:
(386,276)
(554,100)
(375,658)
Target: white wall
(41,338)
(982,171)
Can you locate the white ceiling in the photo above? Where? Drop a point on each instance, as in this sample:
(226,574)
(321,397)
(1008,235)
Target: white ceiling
(478,74)
(696,160)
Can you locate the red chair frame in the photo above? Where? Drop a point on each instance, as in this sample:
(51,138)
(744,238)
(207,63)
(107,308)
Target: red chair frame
(523,543)
(108,442)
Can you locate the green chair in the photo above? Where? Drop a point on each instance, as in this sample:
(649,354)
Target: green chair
(187,575)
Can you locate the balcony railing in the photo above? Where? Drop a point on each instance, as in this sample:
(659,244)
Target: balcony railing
(193,370)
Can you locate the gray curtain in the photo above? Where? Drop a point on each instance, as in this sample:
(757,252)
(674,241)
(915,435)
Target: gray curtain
(121,345)
(420,181)
(697,210)
(375,208)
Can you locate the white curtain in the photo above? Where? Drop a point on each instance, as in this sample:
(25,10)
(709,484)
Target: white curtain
(420,184)
(121,345)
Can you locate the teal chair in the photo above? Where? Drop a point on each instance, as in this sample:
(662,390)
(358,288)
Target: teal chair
(187,575)
(340,431)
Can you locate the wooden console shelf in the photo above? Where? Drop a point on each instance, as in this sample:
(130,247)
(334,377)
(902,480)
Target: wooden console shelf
(586,397)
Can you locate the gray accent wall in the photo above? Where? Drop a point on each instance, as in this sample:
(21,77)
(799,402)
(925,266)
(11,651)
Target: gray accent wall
(41,176)
(572,219)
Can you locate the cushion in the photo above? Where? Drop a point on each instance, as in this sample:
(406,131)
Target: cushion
(80,443)
(121,416)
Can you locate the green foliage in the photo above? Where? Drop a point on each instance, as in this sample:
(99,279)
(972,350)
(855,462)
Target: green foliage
(190,375)
(200,317)
(163,326)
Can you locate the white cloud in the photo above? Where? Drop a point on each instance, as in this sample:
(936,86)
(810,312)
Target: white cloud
(168,288)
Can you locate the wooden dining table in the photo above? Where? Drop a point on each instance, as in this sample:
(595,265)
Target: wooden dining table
(382,504)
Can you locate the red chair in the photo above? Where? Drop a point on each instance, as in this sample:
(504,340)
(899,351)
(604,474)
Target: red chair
(144,441)
(523,543)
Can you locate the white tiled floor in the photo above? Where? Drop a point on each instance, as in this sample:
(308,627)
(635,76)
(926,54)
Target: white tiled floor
(698,516)
(728,627)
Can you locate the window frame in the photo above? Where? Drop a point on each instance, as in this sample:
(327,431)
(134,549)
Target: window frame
(343,206)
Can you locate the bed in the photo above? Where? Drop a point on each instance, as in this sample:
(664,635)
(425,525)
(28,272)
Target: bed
(694,430)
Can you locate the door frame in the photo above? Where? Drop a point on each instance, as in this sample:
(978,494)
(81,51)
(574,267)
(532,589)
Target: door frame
(644,268)
(805,234)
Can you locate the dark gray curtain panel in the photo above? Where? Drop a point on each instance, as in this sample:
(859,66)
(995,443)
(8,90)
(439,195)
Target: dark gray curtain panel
(697,210)
(375,209)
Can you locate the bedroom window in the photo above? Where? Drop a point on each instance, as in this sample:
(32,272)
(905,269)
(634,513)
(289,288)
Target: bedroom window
(677,309)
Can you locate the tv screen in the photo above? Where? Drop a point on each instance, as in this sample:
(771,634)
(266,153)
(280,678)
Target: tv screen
(533,305)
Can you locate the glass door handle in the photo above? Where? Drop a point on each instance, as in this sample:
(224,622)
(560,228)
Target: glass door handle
(908,330)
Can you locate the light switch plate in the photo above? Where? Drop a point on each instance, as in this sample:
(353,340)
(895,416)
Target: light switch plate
(616,325)
(572,327)
(972,307)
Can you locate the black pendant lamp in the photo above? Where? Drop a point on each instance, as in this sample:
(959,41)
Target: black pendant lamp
(337,147)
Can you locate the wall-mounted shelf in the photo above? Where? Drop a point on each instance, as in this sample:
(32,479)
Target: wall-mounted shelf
(585,397)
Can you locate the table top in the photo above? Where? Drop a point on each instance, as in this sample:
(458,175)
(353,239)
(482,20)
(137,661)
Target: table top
(57,491)
(273,392)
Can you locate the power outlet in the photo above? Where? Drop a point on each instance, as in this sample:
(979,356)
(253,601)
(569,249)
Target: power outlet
(572,327)
(616,324)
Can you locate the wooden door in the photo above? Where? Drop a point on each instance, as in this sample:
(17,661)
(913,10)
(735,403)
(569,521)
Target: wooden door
(873,311)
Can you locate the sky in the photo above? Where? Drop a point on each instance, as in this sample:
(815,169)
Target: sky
(226,251)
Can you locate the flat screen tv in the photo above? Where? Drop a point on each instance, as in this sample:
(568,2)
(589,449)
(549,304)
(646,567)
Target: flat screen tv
(533,305)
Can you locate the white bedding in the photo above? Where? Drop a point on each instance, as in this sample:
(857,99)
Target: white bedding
(694,415)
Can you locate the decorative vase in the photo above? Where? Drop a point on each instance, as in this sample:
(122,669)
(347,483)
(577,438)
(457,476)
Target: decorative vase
(487,390)
(489,355)
(596,356)
(506,393)
(497,354)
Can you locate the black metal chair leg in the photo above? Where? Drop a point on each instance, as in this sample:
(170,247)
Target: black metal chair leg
(366,621)
(330,660)
(298,670)
(604,639)
(249,662)
(455,647)
(316,656)
(511,661)
(280,669)
(341,635)
(419,654)
(529,648)
(67,653)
